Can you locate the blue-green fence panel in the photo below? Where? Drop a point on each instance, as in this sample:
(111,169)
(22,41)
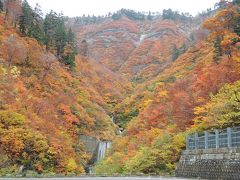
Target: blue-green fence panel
(223,138)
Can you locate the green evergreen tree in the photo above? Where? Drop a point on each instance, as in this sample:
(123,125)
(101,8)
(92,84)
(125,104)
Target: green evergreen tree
(236,2)
(217,49)
(59,38)
(50,31)
(149,17)
(31,22)
(36,31)
(168,14)
(183,48)
(236,24)
(70,36)
(53,23)
(116,16)
(26,18)
(69,59)
(1,6)
(175,52)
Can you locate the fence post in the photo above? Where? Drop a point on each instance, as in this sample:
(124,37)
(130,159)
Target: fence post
(206,139)
(187,142)
(229,137)
(195,140)
(217,138)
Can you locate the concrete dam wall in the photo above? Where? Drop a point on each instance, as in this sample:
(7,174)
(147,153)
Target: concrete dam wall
(95,147)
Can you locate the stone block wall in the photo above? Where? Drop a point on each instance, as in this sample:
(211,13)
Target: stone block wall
(223,163)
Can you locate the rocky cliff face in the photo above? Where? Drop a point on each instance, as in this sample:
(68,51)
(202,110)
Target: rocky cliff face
(138,50)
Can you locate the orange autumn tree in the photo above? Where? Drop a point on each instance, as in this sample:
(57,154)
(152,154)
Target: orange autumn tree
(224,29)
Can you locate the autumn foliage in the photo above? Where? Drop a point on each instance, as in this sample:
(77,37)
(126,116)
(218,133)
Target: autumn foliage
(196,92)
(158,79)
(44,107)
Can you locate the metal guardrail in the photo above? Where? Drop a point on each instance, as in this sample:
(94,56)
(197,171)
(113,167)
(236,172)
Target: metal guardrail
(224,138)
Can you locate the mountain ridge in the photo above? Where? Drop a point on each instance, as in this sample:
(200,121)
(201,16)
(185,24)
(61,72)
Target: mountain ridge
(156,78)
(119,44)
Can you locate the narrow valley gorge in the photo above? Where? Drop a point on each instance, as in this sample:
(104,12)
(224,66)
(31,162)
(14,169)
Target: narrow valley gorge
(114,94)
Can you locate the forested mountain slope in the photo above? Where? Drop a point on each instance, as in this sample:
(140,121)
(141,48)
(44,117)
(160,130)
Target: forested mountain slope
(159,77)
(199,90)
(138,49)
(45,105)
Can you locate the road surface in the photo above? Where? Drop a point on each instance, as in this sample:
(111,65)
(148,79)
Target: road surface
(104,178)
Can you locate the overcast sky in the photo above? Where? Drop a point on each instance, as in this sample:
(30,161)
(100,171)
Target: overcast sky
(101,7)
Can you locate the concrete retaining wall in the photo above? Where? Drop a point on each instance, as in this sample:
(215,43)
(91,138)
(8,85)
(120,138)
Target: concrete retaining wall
(223,163)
